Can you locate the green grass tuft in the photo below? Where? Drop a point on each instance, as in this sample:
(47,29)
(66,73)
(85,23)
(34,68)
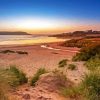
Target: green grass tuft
(13,76)
(20,76)
(91,86)
(37,75)
(72,92)
(62,63)
(88,89)
(93,63)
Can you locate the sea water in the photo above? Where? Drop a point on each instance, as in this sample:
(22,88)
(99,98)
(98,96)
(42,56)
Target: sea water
(26,39)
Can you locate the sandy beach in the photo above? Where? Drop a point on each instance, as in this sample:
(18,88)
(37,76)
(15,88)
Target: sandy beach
(46,55)
(37,56)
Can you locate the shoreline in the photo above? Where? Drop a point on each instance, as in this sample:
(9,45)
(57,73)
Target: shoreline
(28,45)
(56,46)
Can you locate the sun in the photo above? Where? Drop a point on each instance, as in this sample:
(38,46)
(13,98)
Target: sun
(35,24)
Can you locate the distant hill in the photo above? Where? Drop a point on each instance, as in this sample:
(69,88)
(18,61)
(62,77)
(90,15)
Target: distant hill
(13,33)
(77,34)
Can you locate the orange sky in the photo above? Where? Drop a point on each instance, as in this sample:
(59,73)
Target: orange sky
(46,26)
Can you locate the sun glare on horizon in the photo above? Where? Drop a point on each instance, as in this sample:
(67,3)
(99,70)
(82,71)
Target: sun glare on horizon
(37,24)
(49,16)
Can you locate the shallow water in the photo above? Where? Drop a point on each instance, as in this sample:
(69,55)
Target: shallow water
(26,39)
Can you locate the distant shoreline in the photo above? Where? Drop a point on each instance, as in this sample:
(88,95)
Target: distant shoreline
(30,40)
(13,33)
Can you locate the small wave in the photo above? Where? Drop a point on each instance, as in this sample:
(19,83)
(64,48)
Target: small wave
(45,46)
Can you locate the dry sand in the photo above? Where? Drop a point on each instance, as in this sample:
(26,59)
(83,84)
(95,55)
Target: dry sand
(41,57)
(37,57)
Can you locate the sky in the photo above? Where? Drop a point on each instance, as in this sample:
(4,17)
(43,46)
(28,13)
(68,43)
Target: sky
(49,16)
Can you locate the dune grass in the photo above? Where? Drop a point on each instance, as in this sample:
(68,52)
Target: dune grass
(88,89)
(4,87)
(62,63)
(93,63)
(87,53)
(13,76)
(91,86)
(9,79)
(37,75)
(71,92)
(20,76)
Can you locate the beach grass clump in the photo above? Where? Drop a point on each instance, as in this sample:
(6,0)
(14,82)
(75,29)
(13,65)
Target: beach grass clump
(9,79)
(14,76)
(87,53)
(37,75)
(71,92)
(88,89)
(72,67)
(4,87)
(91,86)
(93,63)
(20,76)
(62,63)
(7,51)
(22,52)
